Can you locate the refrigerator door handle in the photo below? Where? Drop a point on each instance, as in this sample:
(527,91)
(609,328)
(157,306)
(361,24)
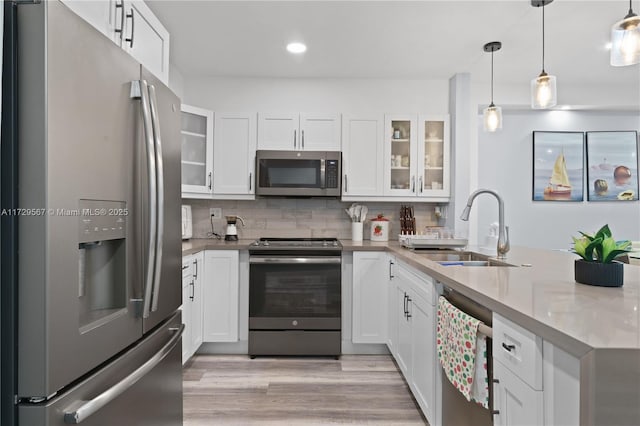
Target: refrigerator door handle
(139,89)
(87,408)
(155,122)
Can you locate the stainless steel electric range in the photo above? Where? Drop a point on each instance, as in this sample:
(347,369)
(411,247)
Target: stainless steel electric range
(295,296)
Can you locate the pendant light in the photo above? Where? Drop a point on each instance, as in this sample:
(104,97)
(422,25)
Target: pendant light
(492,116)
(543,87)
(625,40)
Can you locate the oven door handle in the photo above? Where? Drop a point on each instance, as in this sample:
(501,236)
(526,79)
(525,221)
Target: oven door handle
(284,260)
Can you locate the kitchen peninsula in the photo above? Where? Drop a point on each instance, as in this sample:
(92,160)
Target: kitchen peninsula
(598,326)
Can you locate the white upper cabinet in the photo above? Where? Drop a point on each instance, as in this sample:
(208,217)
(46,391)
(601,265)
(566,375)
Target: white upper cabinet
(131,25)
(197,152)
(278,131)
(416,156)
(146,39)
(293,131)
(320,132)
(434,149)
(400,155)
(234,154)
(362,156)
(101,14)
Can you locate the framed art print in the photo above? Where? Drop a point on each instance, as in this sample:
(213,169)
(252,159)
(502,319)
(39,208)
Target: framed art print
(612,166)
(558,166)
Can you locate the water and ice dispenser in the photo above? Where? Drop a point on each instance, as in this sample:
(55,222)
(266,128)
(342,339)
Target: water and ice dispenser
(102,280)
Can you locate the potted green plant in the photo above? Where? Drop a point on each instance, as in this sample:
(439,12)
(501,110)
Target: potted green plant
(598,252)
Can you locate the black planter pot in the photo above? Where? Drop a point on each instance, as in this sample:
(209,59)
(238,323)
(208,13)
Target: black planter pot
(599,274)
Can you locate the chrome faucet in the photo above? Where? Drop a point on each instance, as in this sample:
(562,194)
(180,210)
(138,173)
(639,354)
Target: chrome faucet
(503,231)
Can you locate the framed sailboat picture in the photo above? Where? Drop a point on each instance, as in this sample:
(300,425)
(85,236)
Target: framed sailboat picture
(558,166)
(612,166)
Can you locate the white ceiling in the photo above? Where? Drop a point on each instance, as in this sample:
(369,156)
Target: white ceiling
(394,39)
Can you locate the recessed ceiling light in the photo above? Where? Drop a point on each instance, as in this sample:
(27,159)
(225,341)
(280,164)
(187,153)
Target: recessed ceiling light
(296,47)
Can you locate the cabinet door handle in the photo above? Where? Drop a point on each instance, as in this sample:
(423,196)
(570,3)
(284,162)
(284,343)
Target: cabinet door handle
(133,27)
(193,290)
(391,276)
(413,184)
(508,348)
(195,274)
(250,180)
(210,180)
(302,139)
(421,186)
(346,187)
(294,138)
(121,29)
(495,412)
(405,305)
(408,312)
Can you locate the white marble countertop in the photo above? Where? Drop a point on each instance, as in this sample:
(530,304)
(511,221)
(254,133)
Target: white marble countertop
(542,297)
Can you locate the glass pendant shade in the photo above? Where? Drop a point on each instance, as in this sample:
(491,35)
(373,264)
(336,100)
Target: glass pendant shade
(543,91)
(492,115)
(625,41)
(492,118)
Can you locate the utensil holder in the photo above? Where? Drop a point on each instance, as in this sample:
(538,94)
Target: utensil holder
(356,231)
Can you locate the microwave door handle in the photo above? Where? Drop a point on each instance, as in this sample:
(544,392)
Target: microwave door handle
(155,122)
(322,173)
(139,90)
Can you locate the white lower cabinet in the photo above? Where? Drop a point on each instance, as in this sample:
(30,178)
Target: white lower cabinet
(392,317)
(369,310)
(516,402)
(187,278)
(412,327)
(403,341)
(535,382)
(192,278)
(220,296)
(423,377)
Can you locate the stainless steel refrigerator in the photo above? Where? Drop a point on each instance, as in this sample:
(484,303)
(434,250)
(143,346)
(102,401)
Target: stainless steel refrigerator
(91,254)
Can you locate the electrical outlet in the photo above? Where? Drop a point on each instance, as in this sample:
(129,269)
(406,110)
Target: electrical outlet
(216,212)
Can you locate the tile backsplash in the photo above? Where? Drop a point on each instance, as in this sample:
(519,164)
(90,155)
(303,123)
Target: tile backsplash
(303,218)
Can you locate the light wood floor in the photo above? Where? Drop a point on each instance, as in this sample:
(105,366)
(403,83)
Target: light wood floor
(355,390)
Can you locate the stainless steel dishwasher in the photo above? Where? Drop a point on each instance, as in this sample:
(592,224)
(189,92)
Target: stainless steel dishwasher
(456,410)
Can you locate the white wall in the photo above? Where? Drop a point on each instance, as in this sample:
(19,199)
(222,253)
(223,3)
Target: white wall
(318,95)
(505,164)
(176,81)
(500,161)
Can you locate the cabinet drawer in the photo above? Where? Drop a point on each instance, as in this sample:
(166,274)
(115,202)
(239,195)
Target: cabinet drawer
(186,267)
(421,284)
(519,350)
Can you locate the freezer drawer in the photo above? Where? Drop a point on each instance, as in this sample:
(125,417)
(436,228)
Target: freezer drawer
(153,400)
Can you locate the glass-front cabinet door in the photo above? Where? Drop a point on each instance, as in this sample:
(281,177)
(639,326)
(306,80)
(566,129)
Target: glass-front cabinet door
(433,156)
(400,152)
(416,156)
(197,150)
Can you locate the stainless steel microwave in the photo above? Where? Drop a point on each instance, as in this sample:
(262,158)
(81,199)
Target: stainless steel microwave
(298,173)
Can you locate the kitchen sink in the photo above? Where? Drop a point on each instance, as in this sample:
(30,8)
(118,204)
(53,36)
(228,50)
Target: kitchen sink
(461,258)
